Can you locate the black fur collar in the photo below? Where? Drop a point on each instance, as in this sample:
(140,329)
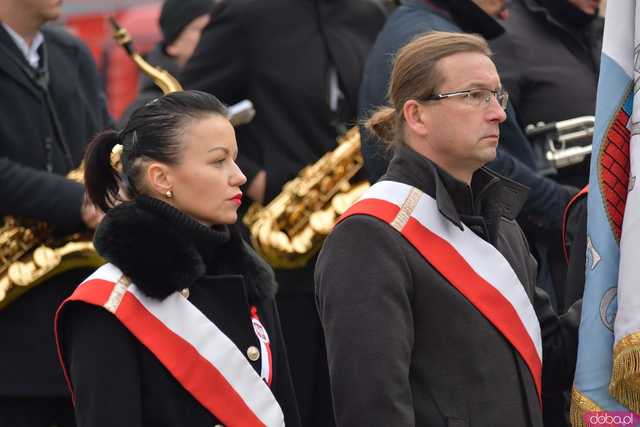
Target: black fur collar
(163,250)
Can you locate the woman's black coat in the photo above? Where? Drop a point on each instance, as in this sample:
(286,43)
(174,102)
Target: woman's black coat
(118,381)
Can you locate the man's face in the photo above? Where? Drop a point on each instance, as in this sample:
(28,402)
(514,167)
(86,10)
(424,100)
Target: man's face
(460,134)
(590,7)
(43,10)
(495,8)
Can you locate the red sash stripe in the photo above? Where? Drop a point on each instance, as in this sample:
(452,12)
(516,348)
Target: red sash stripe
(446,260)
(194,372)
(200,377)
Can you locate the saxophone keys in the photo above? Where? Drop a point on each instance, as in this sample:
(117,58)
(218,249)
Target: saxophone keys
(5,284)
(46,258)
(322,221)
(28,236)
(21,273)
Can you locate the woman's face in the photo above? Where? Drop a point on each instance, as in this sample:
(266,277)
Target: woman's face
(206,181)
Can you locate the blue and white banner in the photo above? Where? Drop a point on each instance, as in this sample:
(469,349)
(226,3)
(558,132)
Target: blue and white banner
(611,307)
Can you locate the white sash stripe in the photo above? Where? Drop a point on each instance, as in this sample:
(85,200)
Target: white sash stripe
(481,256)
(186,321)
(107,272)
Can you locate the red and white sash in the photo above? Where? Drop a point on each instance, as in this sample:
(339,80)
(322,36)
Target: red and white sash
(192,348)
(472,265)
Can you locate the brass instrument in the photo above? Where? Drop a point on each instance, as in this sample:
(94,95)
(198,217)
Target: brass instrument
(31,254)
(239,114)
(291,228)
(165,81)
(561,144)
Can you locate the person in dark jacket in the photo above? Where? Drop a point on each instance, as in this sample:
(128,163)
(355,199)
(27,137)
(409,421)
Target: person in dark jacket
(181,23)
(300,63)
(426,288)
(52,103)
(180,328)
(549,59)
(576,244)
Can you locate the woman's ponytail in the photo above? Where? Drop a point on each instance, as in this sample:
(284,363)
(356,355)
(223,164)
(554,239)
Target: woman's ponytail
(101,180)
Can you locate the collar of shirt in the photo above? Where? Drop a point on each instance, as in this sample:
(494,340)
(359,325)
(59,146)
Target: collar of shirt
(29,52)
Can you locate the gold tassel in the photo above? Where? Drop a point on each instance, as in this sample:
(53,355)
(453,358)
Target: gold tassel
(579,405)
(625,374)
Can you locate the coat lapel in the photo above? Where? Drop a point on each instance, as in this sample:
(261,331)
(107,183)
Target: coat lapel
(9,65)
(63,68)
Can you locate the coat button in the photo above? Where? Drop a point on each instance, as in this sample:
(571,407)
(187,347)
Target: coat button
(253,353)
(185,292)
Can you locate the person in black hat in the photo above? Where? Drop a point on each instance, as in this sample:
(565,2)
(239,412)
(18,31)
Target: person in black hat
(181,23)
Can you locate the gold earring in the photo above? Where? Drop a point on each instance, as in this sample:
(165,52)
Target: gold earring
(169,194)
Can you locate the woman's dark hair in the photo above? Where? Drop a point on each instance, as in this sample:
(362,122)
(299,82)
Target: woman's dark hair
(152,133)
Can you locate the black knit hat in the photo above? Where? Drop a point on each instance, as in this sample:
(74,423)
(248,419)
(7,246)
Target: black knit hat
(177,14)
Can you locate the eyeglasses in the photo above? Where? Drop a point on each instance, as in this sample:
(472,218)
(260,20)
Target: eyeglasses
(475,97)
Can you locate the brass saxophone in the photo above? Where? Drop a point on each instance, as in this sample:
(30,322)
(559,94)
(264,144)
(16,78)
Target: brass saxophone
(29,252)
(239,114)
(165,81)
(291,228)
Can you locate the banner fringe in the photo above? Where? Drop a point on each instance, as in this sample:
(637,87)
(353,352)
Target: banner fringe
(625,375)
(579,405)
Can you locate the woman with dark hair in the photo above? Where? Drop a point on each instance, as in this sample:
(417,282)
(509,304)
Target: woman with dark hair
(180,328)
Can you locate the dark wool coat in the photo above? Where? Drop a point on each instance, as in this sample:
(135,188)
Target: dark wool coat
(116,379)
(29,364)
(405,348)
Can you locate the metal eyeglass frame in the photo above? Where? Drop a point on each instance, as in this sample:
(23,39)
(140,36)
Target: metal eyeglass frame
(467,93)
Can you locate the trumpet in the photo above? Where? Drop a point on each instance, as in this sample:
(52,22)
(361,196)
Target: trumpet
(561,144)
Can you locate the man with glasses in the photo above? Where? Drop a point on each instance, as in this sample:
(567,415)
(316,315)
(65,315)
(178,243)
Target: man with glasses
(546,199)
(476,97)
(426,288)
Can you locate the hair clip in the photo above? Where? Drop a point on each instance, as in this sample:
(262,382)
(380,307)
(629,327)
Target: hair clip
(116,157)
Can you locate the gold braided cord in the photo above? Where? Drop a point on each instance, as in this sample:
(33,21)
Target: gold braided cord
(580,404)
(625,374)
(407,208)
